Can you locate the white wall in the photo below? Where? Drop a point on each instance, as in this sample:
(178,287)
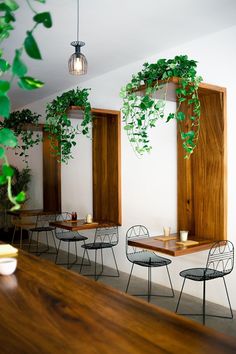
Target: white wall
(149,184)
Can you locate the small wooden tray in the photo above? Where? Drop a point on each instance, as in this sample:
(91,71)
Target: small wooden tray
(187,243)
(72,221)
(165,238)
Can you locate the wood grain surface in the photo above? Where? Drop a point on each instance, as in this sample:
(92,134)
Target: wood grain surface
(79,225)
(171,247)
(51,177)
(47,309)
(202,179)
(106,166)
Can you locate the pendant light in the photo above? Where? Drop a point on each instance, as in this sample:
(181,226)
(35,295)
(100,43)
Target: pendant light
(77,63)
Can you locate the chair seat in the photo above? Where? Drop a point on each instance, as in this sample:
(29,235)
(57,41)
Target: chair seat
(24,224)
(70,236)
(148,259)
(42,228)
(97,245)
(200,274)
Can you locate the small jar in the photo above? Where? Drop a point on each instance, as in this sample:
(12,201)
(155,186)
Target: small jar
(74,215)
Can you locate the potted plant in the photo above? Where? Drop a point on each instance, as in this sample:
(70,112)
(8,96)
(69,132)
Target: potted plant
(18,122)
(59,126)
(141,112)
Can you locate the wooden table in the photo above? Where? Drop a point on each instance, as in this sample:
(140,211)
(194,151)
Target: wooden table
(170,247)
(47,309)
(80,225)
(31,212)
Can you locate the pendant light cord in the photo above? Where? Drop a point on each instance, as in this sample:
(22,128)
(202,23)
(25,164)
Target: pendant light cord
(77,20)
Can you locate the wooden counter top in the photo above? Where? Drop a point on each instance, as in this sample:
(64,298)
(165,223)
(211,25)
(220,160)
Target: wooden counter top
(47,309)
(170,247)
(80,225)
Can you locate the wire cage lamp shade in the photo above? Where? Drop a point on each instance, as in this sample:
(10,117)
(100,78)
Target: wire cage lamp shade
(77,63)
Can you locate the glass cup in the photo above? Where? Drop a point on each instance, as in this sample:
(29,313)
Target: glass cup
(73,216)
(166,230)
(183,235)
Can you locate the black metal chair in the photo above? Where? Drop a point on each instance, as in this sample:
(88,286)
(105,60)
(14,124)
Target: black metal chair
(68,237)
(105,238)
(42,227)
(144,258)
(220,262)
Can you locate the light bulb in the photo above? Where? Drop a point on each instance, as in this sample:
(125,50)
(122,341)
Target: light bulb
(78,65)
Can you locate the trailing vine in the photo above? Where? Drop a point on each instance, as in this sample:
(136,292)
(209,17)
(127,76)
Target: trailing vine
(17,122)
(61,132)
(141,111)
(16,70)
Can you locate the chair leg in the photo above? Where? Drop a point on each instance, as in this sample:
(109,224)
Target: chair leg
(102,260)
(54,241)
(228,298)
(204,303)
(82,263)
(176,310)
(57,252)
(13,236)
(85,250)
(127,287)
(118,273)
(68,255)
(37,247)
(47,241)
(95,275)
(173,293)
(30,240)
(149,283)
(76,253)
(20,237)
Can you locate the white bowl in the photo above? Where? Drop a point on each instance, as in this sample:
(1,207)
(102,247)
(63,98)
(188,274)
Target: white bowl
(7,265)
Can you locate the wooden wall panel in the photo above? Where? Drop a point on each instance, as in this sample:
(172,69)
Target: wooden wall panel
(202,186)
(106,166)
(51,178)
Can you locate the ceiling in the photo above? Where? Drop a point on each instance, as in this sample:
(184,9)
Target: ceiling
(116,32)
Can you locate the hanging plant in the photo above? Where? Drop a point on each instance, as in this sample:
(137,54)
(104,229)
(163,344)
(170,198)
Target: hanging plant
(12,70)
(59,126)
(17,122)
(141,112)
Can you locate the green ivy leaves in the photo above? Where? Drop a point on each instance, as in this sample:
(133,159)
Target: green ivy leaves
(141,111)
(13,6)
(5,105)
(7,138)
(31,47)
(29,83)
(44,18)
(4,66)
(61,132)
(18,67)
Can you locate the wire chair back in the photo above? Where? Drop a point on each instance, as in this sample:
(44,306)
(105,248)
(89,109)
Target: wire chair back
(45,219)
(135,232)
(62,217)
(107,235)
(221,257)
